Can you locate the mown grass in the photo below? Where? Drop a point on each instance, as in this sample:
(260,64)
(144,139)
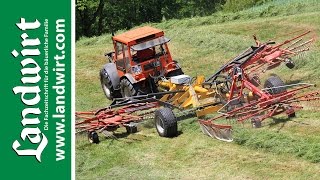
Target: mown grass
(287,141)
(282,149)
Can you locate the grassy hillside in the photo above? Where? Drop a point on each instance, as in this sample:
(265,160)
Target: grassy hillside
(282,149)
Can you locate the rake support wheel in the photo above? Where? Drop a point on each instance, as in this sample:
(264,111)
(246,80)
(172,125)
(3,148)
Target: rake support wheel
(166,122)
(93,137)
(256,123)
(275,85)
(131,129)
(291,113)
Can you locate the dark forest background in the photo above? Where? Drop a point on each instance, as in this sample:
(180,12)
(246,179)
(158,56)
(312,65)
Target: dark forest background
(95,17)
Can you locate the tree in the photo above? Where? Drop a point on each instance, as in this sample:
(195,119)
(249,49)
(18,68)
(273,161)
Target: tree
(94,17)
(87,13)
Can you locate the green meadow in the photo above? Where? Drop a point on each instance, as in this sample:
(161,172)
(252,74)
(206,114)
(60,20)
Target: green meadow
(282,149)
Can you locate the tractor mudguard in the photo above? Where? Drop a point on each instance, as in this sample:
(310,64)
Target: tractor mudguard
(111,70)
(130,78)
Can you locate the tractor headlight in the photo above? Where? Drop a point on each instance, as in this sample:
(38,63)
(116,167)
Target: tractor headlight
(136,69)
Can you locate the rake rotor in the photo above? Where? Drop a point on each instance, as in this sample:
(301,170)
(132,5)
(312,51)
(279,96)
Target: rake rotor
(110,119)
(257,111)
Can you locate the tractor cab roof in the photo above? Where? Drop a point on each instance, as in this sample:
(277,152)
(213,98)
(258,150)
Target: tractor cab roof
(138,35)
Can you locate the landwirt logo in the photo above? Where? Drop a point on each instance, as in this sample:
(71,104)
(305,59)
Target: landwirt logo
(29,93)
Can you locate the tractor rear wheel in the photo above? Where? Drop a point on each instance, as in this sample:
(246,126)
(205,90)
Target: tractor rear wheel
(128,89)
(166,122)
(274,85)
(107,87)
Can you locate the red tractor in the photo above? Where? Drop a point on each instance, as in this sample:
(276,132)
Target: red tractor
(141,57)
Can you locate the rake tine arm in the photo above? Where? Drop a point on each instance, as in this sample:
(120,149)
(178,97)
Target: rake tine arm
(248,113)
(292,39)
(243,107)
(305,99)
(84,117)
(304,86)
(241,119)
(302,50)
(254,67)
(87,120)
(311,94)
(84,113)
(302,44)
(292,44)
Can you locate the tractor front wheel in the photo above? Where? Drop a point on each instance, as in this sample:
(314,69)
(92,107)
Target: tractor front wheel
(127,88)
(107,86)
(166,123)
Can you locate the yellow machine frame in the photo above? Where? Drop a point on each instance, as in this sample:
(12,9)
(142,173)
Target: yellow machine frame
(194,96)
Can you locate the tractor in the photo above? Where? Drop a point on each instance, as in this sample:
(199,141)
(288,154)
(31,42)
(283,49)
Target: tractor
(140,58)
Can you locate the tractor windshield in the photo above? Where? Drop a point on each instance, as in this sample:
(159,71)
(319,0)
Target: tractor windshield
(151,43)
(149,49)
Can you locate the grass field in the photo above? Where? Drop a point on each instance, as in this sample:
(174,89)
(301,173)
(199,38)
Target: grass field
(282,149)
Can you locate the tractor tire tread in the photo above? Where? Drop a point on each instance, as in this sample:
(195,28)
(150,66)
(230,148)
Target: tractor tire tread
(126,83)
(105,80)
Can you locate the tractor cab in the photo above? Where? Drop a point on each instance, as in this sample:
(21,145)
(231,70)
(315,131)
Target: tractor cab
(142,52)
(141,56)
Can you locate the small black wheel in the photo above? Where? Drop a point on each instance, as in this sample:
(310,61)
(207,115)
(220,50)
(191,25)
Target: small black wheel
(289,63)
(127,89)
(93,137)
(107,86)
(274,85)
(291,113)
(166,122)
(256,123)
(131,129)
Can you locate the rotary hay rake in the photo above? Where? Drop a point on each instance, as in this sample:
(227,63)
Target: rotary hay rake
(110,119)
(234,91)
(245,99)
(259,109)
